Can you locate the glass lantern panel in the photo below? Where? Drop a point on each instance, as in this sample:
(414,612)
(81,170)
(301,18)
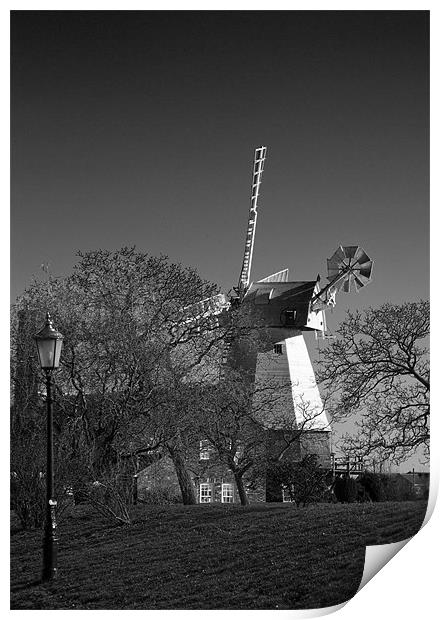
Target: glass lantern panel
(49,351)
(46,350)
(58,346)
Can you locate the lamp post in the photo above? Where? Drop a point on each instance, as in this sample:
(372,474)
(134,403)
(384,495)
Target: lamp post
(49,343)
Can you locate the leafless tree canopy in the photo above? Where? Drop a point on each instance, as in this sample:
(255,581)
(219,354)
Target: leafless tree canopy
(378,366)
(127,344)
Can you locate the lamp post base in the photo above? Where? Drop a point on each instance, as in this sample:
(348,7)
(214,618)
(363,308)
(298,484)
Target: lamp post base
(50,544)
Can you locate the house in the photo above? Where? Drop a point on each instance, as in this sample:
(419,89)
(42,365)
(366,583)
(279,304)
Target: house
(419,482)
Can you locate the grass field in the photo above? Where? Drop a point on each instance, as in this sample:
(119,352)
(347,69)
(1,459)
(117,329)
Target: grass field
(264,556)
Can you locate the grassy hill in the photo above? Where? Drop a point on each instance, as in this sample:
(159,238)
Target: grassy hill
(265,556)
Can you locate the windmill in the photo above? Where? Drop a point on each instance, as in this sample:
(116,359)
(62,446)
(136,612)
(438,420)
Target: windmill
(348,266)
(285,310)
(288,307)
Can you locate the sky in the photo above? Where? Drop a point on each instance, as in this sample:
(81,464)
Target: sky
(138,128)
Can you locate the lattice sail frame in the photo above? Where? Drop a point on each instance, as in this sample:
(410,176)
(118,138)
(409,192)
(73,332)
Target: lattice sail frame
(259,159)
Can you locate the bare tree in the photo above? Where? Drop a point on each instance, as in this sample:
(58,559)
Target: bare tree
(251,425)
(304,482)
(227,422)
(378,367)
(127,341)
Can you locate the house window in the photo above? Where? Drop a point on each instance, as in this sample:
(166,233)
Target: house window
(286,495)
(204,450)
(278,349)
(227,493)
(239,452)
(205,493)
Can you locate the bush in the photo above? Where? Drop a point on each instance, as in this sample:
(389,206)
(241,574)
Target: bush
(346,489)
(28,468)
(386,487)
(28,498)
(397,488)
(28,483)
(305,482)
(373,485)
(159,496)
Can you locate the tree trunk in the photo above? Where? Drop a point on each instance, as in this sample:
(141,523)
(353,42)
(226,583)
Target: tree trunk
(241,490)
(185,483)
(274,491)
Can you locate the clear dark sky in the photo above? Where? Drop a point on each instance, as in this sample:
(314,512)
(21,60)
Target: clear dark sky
(138,128)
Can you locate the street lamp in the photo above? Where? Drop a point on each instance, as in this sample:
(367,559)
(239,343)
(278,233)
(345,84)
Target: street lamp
(49,343)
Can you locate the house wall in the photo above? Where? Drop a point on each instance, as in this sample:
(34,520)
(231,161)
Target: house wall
(159,478)
(318,443)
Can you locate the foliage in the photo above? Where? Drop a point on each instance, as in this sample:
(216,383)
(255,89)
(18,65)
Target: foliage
(109,499)
(249,424)
(159,496)
(27,497)
(233,414)
(373,485)
(346,489)
(128,346)
(386,487)
(304,481)
(397,488)
(28,465)
(378,365)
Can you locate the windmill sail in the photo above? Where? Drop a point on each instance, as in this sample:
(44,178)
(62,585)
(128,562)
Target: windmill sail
(259,159)
(279,276)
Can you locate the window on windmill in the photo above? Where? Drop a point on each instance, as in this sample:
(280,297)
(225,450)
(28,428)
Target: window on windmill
(205,493)
(278,349)
(228,443)
(227,493)
(289,317)
(204,450)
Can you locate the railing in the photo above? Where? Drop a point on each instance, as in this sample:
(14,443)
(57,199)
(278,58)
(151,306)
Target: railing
(346,465)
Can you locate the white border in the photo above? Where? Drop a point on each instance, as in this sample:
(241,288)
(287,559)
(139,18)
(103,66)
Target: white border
(407,586)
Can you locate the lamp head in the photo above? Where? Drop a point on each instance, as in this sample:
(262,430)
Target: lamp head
(49,343)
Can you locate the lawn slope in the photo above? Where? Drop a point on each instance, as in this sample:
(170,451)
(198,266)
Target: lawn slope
(264,556)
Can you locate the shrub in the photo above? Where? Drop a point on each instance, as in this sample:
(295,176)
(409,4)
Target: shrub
(386,487)
(373,485)
(397,488)
(305,482)
(28,484)
(28,467)
(346,489)
(28,497)
(159,496)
